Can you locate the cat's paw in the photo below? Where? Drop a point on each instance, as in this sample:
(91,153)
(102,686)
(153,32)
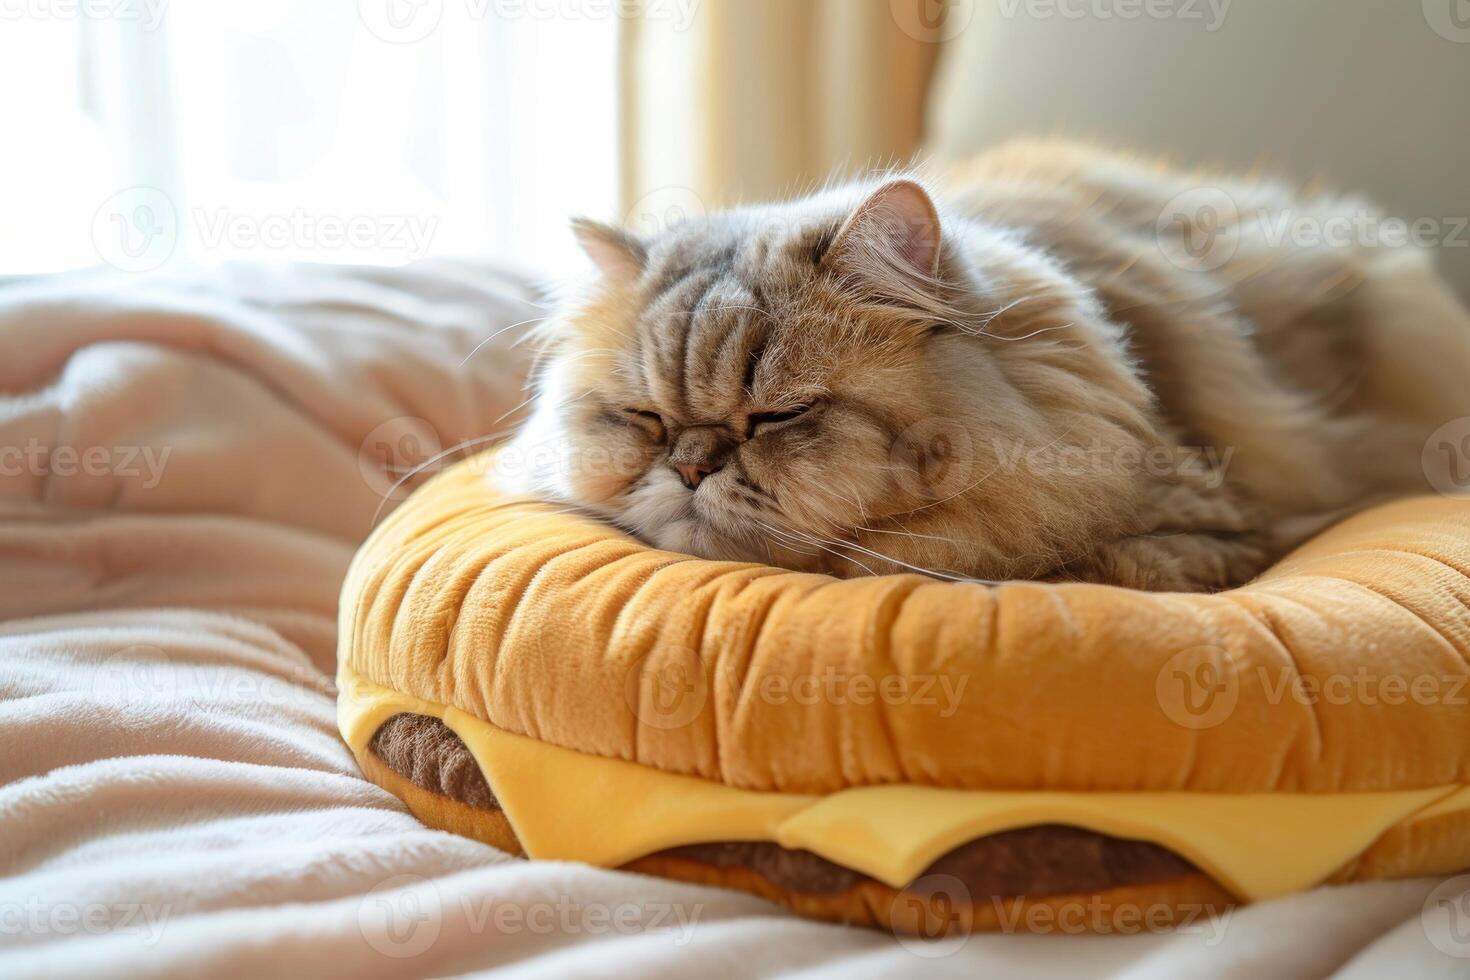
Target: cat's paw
(1181,561)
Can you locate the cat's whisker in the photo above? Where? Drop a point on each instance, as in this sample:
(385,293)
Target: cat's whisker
(507,414)
(572,400)
(788,545)
(578,355)
(913,568)
(771,544)
(1034,333)
(432,461)
(987,317)
(819,544)
(958,493)
(908,534)
(539,319)
(781,533)
(855,500)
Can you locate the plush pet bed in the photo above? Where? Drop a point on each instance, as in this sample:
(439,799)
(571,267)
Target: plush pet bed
(911,754)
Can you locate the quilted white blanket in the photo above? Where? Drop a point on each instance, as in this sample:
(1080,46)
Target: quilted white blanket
(185,468)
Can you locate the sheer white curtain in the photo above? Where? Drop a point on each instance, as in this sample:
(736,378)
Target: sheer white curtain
(144,132)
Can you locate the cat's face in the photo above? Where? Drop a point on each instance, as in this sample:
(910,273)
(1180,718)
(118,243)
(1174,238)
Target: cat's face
(765,385)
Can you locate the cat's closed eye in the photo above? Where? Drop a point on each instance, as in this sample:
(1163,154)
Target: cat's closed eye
(759,421)
(649,421)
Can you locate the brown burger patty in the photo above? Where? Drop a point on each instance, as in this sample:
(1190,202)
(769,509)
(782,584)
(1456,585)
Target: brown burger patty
(1036,861)
(427,753)
(1045,859)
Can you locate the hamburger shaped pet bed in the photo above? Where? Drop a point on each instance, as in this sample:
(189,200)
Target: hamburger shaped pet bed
(912,754)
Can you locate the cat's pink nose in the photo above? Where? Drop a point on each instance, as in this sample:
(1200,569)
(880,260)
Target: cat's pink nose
(694,473)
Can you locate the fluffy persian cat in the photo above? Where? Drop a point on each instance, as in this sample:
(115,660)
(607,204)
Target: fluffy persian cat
(1051,363)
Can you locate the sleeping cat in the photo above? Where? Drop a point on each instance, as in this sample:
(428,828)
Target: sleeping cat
(1052,363)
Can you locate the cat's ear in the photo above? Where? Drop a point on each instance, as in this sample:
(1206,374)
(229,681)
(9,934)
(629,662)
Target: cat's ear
(896,227)
(618,255)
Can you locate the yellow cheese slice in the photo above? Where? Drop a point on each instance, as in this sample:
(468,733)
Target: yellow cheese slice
(569,805)
(1257,845)
(573,806)
(1453,803)
(607,812)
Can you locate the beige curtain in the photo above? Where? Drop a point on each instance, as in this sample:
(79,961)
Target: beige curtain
(758,99)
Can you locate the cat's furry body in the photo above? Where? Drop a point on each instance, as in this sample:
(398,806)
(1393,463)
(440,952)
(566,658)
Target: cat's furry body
(1041,377)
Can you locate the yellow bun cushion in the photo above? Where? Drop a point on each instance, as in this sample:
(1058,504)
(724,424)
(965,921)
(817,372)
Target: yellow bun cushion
(1313,725)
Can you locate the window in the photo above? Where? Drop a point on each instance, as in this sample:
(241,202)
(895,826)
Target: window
(142,132)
